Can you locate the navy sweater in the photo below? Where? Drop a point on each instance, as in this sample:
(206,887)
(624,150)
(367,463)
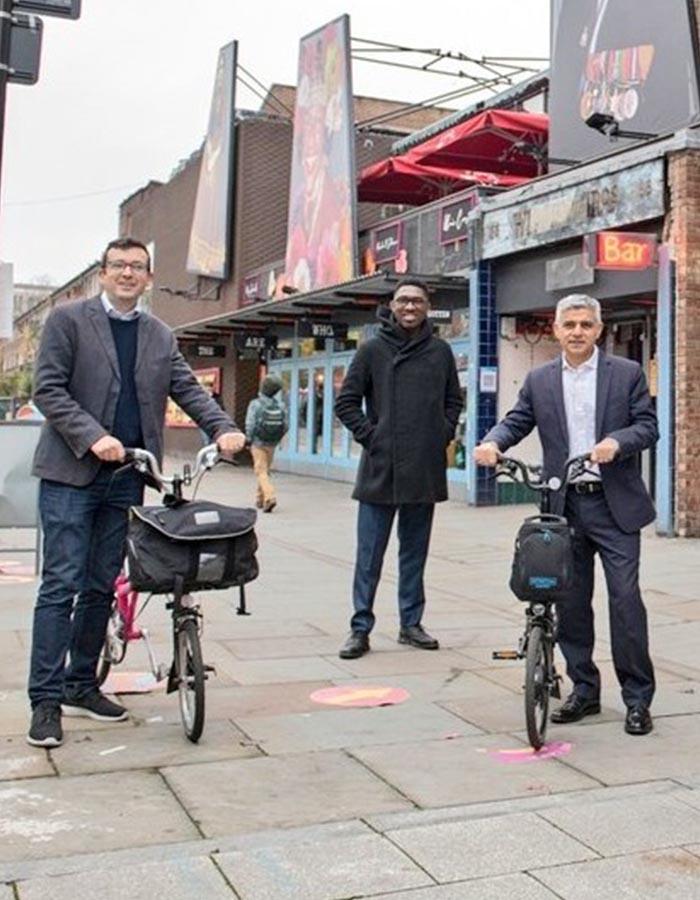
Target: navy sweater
(127,419)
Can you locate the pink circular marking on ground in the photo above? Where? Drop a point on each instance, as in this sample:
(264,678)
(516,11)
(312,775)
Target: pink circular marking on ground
(131,683)
(360,695)
(528,755)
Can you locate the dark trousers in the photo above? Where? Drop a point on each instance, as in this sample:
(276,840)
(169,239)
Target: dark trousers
(596,532)
(374,521)
(84,533)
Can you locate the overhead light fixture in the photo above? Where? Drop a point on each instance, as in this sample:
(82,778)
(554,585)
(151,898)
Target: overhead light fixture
(609,126)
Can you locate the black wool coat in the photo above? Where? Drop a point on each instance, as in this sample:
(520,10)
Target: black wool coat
(412,402)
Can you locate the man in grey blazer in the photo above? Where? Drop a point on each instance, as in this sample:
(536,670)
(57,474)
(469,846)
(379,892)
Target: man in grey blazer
(587,402)
(104,373)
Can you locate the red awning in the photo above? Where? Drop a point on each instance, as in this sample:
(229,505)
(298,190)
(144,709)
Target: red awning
(488,143)
(400,180)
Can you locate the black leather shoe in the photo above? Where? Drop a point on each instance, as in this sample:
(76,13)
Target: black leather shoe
(417,636)
(357,644)
(638,720)
(575,708)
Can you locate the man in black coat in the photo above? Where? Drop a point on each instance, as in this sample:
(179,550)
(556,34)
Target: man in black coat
(408,382)
(587,402)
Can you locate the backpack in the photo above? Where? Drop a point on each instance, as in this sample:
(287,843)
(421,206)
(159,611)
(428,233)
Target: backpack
(543,562)
(269,423)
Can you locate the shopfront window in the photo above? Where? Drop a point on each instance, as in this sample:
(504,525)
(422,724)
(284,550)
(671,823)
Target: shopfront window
(338,440)
(316,412)
(286,376)
(303,407)
(456,450)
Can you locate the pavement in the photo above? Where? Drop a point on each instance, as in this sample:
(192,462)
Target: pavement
(437,797)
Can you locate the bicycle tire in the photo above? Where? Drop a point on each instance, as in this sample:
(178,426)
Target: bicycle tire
(190,674)
(106,658)
(538,668)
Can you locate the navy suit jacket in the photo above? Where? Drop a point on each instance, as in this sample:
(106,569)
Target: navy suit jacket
(624,411)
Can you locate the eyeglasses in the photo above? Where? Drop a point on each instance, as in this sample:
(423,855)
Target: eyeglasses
(410,301)
(119,265)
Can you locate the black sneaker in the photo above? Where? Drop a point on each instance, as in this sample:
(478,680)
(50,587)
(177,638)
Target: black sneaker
(45,730)
(96,706)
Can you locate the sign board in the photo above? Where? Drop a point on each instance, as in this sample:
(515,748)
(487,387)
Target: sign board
(621,250)
(251,290)
(568,271)
(258,342)
(210,351)
(328,330)
(386,243)
(488,380)
(454,223)
(25,49)
(441,314)
(67,9)
(630,195)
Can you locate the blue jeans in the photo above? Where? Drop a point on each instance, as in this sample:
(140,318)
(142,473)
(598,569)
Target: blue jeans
(84,534)
(374,521)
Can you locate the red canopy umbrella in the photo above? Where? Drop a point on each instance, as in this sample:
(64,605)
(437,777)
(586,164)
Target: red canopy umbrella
(400,180)
(496,140)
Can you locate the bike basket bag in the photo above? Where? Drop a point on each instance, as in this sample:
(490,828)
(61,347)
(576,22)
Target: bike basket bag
(543,563)
(269,426)
(208,545)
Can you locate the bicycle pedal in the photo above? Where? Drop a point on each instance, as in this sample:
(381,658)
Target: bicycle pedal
(210,669)
(505,654)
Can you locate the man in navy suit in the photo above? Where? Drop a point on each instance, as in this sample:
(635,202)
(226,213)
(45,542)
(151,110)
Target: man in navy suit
(587,402)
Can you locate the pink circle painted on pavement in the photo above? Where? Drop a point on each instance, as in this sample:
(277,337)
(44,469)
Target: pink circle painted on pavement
(528,755)
(360,695)
(131,683)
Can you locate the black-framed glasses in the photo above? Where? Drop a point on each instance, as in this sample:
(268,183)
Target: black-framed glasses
(120,265)
(410,301)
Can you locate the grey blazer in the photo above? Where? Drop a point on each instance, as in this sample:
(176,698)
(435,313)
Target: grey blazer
(624,411)
(77,384)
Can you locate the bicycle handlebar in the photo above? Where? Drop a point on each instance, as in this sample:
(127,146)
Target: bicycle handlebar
(146,463)
(573,468)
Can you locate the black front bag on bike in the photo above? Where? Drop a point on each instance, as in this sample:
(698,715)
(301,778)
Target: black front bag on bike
(543,563)
(208,545)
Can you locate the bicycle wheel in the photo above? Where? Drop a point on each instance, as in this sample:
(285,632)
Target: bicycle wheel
(114,648)
(190,672)
(538,668)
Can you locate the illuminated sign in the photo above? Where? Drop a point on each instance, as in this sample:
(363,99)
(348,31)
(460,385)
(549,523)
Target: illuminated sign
(622,250)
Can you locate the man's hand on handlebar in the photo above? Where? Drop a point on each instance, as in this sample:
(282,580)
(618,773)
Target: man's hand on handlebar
(605,451)
(230,443)
(487,454)
(108,449)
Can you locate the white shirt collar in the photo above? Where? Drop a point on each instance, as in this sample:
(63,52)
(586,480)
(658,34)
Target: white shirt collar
(114,313)
(590,363)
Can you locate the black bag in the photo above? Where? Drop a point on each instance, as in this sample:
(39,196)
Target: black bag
(543,563)
(208,545)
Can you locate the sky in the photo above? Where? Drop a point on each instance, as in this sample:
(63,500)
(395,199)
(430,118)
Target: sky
(124,93)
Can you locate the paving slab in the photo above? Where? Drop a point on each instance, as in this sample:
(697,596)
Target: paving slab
(183,879)
(493,846)
(407,661)
(355,727)
(356,866)
(230,702)
(503,887)
(15,716)
(149,746)
(633,825)
(665,875)
(248,795)
(19,760)
(62,816)
(460,770)
(284,648)
(273,671)
(609,755)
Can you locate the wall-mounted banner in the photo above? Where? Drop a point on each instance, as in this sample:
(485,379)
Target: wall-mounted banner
(321,229)
(258,342)
(632,60)
(210,237)
(251,290)
(329,330)
(386,243)
(453,219)
(630,195)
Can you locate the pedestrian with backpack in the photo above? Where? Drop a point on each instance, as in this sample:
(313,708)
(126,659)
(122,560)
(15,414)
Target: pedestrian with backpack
(266,423)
